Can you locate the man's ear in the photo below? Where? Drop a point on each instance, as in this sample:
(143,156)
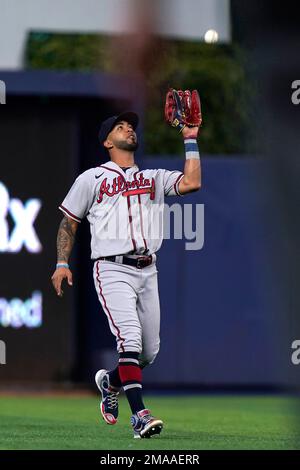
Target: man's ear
(108,144)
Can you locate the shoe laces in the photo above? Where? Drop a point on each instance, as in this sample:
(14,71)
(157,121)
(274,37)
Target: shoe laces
(112,399)
(147,418)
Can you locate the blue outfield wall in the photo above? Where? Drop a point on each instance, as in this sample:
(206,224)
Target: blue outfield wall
(219,324)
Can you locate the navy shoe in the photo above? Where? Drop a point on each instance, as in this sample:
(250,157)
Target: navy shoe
(109,405)
(145,425)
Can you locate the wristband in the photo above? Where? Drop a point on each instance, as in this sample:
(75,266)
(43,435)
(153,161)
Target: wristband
(191,149)
(62,265)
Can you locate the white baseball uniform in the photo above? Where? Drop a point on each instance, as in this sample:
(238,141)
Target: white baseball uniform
(125,212)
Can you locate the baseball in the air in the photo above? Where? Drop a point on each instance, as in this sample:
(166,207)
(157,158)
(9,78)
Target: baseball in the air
(211,36)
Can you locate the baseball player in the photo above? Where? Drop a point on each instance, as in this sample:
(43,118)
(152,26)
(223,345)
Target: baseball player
(122,204)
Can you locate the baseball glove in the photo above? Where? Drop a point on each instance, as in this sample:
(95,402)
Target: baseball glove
(183,108)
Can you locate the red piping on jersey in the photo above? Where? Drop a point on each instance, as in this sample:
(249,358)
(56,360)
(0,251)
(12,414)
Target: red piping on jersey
(109,314)
(130,223)
(70,213)
(111,169)
(180,176)
(141,219)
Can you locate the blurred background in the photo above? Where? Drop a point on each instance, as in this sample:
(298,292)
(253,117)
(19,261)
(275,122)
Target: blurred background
(230,310)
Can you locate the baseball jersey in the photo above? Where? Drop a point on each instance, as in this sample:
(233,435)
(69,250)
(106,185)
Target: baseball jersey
(124,208)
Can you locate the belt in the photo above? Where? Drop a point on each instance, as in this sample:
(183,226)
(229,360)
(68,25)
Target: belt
(139,263)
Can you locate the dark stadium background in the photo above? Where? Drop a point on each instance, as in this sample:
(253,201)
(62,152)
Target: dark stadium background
(230,311)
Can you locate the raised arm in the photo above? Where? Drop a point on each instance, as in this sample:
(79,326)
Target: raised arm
(65,241)
(192,169)
(183,111)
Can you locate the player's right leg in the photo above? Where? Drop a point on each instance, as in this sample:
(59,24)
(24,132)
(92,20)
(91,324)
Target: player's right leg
(116,289)
(109,406)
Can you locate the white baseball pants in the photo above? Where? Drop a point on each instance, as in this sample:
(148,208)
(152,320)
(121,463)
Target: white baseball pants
(130,300)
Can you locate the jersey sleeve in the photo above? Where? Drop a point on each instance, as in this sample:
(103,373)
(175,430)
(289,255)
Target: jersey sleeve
(171,180)
(79,199)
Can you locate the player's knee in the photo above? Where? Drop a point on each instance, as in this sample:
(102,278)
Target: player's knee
(148,357)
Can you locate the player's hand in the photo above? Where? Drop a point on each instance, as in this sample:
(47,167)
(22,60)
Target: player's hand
(58,276)
(183,109)
(190,132)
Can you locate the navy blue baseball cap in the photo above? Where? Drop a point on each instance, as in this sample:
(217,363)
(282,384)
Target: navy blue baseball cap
(108,125)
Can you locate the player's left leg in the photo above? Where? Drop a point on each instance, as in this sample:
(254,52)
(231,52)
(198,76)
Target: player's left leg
(148,309)
(144,424)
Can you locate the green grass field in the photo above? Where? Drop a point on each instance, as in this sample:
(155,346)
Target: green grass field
(191,422)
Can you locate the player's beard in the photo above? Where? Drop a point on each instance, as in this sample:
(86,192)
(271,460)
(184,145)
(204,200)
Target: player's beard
(125,145)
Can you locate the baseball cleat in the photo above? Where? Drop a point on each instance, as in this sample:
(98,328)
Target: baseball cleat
(145,425)
(109,404)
